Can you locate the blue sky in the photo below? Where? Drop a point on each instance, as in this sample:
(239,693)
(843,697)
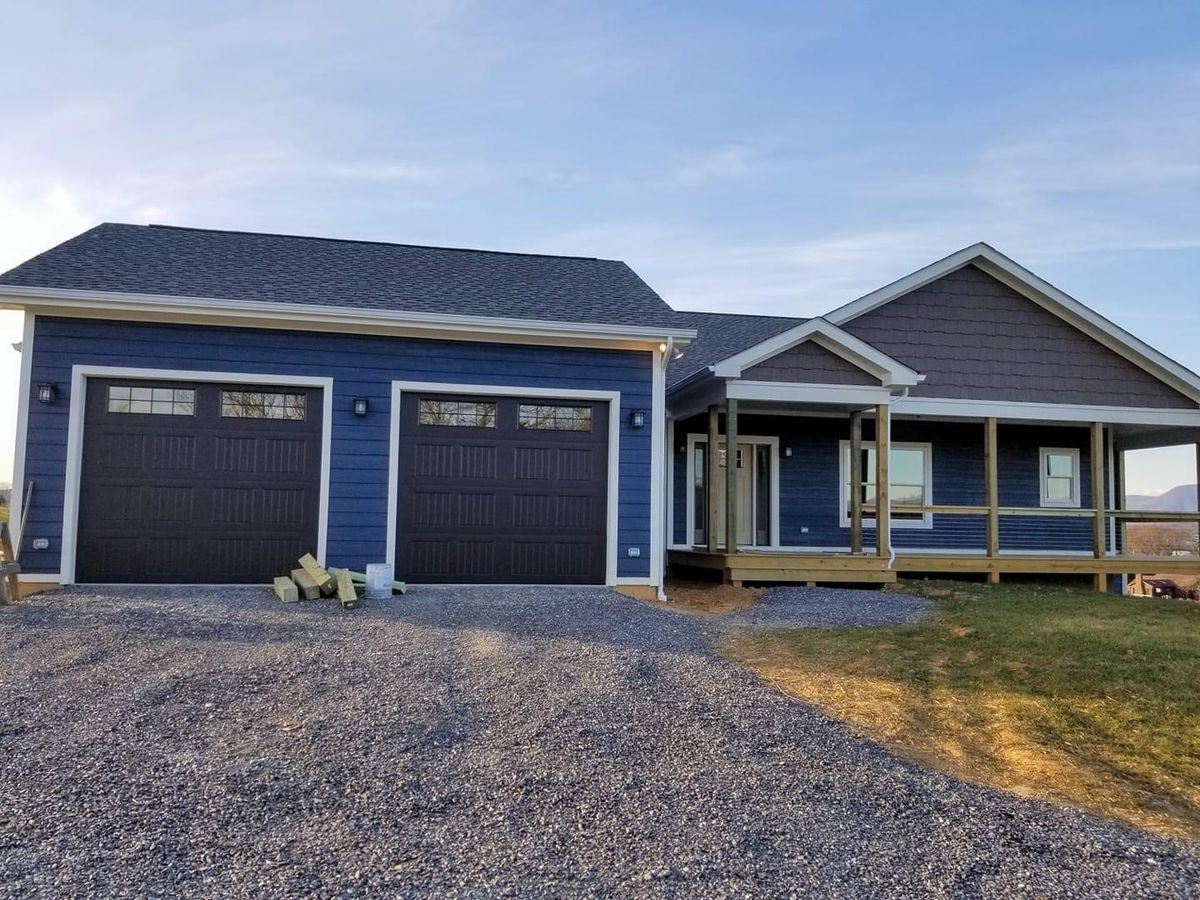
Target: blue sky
(778,158)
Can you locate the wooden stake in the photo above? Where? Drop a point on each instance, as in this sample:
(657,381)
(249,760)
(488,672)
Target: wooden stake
(345,589)
(285,590)
(320,575)
(308,587)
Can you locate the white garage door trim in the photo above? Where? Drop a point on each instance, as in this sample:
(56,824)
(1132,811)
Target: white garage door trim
(79,376)
(439,387)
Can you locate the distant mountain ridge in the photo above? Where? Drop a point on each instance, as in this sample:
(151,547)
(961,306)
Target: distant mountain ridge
(1181,498)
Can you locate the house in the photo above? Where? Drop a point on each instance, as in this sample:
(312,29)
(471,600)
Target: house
(205,406)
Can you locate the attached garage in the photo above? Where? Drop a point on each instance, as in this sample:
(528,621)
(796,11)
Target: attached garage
(197,482)
(502,489)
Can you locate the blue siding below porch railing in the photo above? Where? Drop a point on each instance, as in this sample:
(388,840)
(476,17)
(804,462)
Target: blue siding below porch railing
(809,489)
(361,366)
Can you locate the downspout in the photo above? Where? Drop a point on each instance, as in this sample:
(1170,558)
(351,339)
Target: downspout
(892,398)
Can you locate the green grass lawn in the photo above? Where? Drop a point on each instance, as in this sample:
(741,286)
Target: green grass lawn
(1055,692)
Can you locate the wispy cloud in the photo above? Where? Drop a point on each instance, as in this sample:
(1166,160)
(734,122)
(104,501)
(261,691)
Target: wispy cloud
(723,164)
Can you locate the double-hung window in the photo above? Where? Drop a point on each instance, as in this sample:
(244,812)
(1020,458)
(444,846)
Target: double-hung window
(1060,476)
(910,483)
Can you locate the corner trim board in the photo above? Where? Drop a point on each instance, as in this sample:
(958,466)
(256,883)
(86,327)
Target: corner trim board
(26,389)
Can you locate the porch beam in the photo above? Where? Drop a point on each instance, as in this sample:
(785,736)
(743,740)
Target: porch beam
(992,491)
(731,477)
(856,480)
(883,500)
(1098,504)
(713,482)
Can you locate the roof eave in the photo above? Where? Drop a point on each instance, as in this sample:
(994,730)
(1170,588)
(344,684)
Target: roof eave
(305,316)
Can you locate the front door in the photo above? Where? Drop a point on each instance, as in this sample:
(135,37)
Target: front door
(755,485)
(745,495)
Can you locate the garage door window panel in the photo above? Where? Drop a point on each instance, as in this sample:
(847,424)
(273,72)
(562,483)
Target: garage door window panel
(539,417)
(154,401)
(457,413)
(263,405)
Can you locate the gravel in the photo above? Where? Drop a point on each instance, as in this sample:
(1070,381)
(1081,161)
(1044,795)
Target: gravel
(481,743)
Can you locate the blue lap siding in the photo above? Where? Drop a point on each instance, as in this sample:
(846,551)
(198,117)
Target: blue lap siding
(360,366)
(809,489)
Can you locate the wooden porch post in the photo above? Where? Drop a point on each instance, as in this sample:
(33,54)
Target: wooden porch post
(714,472)
(883,500)
(1097,460)
(992,491)
(731,477)
(1198,494)
(856,480)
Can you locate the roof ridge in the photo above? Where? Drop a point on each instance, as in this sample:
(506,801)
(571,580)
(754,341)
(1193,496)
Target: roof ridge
(707,312)
(333,240)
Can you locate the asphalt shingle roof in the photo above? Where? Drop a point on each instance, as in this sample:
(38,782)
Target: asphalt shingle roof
(231,265)
(720,336)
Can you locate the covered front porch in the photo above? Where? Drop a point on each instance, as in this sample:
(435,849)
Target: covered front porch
(859,485)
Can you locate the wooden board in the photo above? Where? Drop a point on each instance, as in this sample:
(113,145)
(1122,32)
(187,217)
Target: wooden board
(321,576)
(308,587)
(345,589)
(285,590)
(398,587)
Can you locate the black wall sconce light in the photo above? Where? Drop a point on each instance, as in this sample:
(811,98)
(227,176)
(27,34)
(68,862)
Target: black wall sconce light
(360,406)
(637,418)
(46,392)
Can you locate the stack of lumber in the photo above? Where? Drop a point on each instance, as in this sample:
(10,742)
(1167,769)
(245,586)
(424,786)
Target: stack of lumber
(311,581)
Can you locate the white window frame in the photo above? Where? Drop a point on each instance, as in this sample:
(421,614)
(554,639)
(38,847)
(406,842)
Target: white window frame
(1043,476)
(926,520)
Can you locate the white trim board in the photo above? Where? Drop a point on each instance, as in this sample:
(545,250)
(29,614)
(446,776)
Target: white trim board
(75,426)
(1048,413)
(1041,292)
(794,392)
(614,456)
(25,387)
(314,317)
(832,338)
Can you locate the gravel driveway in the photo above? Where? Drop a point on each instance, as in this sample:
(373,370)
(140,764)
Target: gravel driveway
(479,742)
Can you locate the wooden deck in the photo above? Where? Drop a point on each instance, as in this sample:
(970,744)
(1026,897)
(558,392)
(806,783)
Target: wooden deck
(832,568)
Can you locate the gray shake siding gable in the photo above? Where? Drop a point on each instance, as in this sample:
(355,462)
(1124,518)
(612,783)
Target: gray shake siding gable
(809,362)
(976,338)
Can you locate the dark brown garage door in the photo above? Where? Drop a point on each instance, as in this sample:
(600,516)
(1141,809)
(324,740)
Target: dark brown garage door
(187,482)
(502,490)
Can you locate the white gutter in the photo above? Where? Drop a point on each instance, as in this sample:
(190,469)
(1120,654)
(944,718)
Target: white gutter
(282,312)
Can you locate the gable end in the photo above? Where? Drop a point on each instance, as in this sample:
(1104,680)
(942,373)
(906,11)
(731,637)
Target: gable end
(809,363)
(976,338)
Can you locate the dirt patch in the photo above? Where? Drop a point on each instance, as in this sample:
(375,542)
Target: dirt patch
(710,597)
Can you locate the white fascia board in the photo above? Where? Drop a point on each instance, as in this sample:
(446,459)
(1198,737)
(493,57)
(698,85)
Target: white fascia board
(1041,292)
(841,343)
(790,392)
(304,316)
(1044,412)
